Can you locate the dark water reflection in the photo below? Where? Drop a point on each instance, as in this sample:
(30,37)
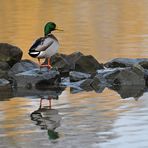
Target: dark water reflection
(78,120)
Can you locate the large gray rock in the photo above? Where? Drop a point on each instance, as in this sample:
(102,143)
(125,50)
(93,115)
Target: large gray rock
(126,62)
(10,54)
(75,62)
(22,66)
(128,76)
(36,78)
(63,62)
(126,91)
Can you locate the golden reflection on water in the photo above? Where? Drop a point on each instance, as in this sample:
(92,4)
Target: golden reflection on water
(105,29)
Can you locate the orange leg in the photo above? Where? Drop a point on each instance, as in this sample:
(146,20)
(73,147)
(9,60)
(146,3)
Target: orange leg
(49,64)
(46,65)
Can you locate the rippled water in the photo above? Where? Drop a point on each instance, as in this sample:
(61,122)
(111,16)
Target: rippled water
(105,29)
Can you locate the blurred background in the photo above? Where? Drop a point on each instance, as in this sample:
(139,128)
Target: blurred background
(106,29)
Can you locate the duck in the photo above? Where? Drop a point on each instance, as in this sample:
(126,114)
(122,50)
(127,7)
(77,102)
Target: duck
(47,46)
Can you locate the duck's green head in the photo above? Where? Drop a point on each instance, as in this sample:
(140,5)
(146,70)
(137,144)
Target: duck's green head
(50,26)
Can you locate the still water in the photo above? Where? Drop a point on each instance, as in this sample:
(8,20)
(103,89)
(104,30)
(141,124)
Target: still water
(105,29)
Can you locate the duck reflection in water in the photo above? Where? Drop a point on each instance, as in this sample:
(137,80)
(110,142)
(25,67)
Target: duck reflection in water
(47,118)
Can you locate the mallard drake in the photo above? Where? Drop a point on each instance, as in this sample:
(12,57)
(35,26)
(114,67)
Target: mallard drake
(47,46)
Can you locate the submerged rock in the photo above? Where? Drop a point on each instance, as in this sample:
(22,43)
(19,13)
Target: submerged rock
(35,78)
(10,54)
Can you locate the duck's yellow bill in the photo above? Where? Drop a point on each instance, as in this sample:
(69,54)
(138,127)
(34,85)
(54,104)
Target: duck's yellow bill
(59,29)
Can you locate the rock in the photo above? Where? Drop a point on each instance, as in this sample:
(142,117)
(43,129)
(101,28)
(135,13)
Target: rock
(107,76)
(3,74)
(144,63)
(126,62)
(77,76)
(22,66)
(146,77)
(75,62)
(72,58)
(87,64)
(128,76)
(98,83)
(4,82)
(64,63)
(86,85)
(61,63)
(4,66)
(10,54)
(36,78)
(126,91)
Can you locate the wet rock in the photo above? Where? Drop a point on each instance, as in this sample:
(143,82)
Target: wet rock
(22,66)
(146,77)
(4,82)
(77,76)
(4,66)
(10,54)
(86,85)
(75,62)
(144,63)
(128,76)
(61,63)
(64,63)
(87,64)
(98,83)
(126,62)
(126,91)
(107,76)
(3,74)
(35,78)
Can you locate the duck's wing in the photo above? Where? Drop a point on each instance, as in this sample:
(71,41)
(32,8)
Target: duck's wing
(41,44)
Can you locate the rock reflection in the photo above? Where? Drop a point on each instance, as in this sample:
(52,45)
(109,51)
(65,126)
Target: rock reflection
(6,93)
(48,119)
